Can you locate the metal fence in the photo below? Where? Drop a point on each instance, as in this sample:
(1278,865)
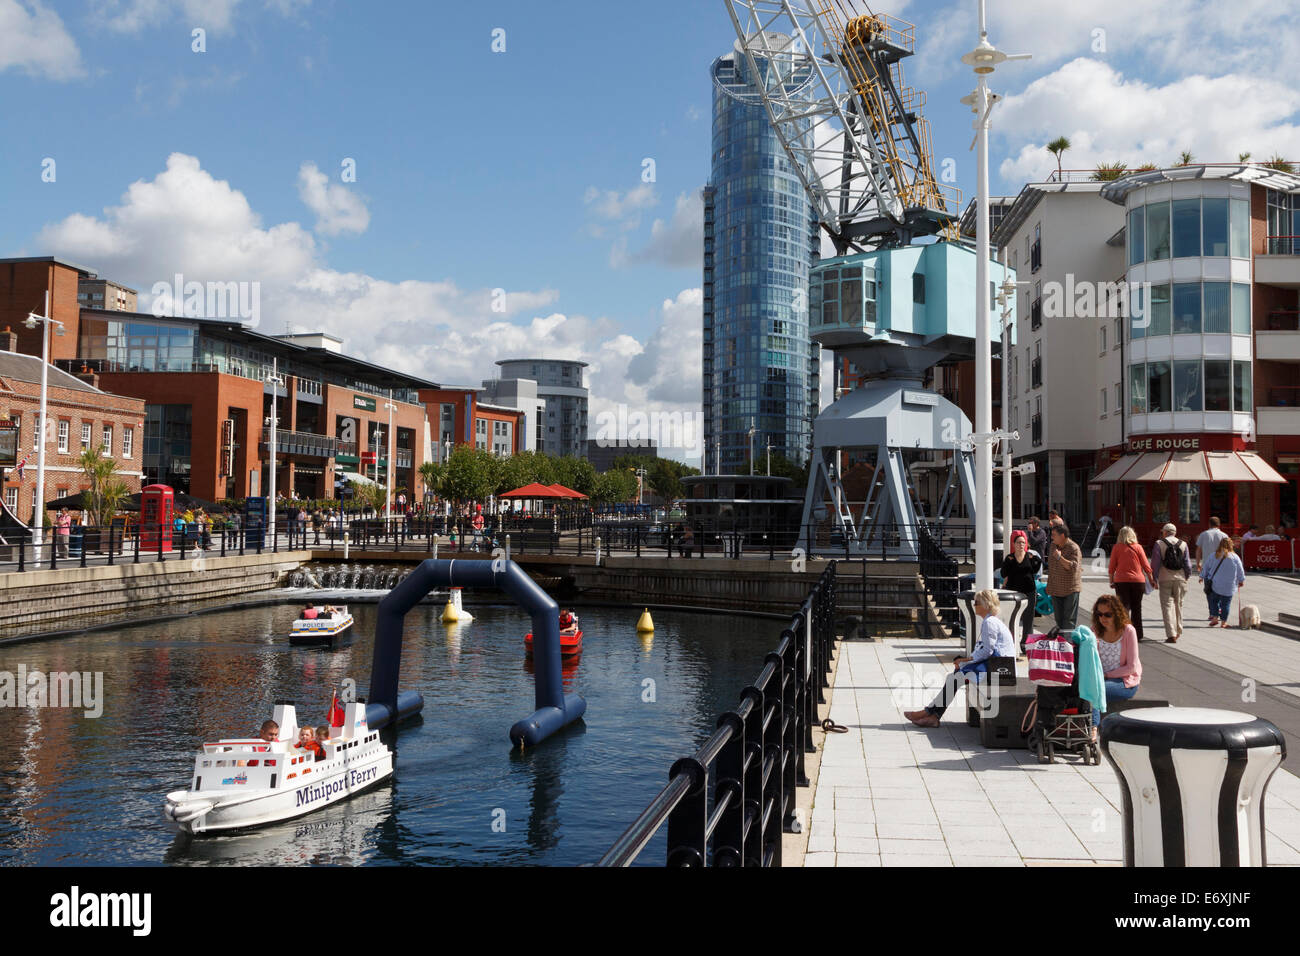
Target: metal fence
(729,804)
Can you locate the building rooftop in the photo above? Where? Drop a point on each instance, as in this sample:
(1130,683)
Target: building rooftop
(19,260)
(376,375)
(1027,201)
(1117,190)
(564,360)
(27,368)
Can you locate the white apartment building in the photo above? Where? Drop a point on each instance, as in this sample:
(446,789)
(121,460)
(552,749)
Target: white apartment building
(1066,244)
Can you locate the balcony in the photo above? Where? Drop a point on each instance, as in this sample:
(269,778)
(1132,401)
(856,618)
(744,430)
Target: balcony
(307,444)
(1281,416)
(1036,430)
(1036,314)
(1284,320)
(1036,374)
(1036,256)
(1281,267)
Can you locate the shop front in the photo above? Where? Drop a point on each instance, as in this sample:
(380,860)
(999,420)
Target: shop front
(1186,480)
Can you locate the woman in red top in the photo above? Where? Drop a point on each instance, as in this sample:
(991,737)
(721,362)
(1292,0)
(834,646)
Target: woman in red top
(1130,572)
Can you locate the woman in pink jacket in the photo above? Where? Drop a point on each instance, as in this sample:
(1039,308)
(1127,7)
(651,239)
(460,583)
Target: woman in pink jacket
(1130,572)
(1117,646)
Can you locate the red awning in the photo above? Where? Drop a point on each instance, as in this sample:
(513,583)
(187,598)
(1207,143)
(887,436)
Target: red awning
(567,492)
(534,490)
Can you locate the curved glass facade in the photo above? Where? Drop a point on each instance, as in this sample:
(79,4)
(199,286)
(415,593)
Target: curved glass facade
(760,366)
(1190,343)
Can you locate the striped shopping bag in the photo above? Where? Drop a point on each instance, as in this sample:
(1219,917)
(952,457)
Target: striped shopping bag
(1051,659)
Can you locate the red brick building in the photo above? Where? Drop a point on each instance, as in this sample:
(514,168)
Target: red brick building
(80,416)
(459,418)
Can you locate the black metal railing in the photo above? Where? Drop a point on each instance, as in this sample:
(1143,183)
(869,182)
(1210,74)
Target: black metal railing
(729,803)
(942,577)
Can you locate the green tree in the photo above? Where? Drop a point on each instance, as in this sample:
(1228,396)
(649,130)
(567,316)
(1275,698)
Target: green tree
(784,468)
(106,492)
(615,486)
(368,495)
(472,474)
(1280,164)
(1108,172)
(1056,147)
(432,473)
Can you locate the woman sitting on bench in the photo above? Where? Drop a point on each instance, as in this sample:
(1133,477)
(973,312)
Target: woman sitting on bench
(994,641)
(1117,646)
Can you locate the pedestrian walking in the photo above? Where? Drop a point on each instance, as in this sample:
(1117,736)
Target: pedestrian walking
(1172,559)
(63,530)
(1064,577)
(317,519)
(1038,540)
(1207,544)
(1223,576)
(1130,575)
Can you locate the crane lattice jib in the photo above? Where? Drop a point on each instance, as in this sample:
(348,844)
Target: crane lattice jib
(845,176)
(858,142)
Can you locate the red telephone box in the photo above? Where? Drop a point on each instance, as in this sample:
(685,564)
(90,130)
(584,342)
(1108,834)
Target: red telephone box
(157,512)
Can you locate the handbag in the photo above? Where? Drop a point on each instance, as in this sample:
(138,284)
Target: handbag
(1051,659)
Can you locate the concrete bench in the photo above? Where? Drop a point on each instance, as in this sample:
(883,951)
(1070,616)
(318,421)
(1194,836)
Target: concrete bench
(1000,726)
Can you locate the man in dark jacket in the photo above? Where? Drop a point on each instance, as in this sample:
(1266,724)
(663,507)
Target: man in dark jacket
(1037,538)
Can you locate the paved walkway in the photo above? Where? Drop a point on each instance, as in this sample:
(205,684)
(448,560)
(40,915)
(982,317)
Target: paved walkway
(892,794)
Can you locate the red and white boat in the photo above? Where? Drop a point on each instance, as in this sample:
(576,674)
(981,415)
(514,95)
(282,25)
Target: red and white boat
(570,644)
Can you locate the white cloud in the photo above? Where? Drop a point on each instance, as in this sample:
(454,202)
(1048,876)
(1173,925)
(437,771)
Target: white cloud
(677,242)
(215,16)
(34,40)
(337,208)
(615,211)
(1111,118)
(187,221)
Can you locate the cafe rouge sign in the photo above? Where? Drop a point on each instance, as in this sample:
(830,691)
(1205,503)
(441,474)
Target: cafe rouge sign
(1183,443)
(360,401)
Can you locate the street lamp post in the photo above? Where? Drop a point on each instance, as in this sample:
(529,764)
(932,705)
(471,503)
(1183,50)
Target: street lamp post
(984,59)
(388,472)
(752,430)
(273,420)
(1006,298)
(38,511)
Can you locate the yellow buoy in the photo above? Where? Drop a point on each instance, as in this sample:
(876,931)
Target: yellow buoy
(644,623)
(449,615)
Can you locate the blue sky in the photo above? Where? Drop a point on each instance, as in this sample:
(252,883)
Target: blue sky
(522,170)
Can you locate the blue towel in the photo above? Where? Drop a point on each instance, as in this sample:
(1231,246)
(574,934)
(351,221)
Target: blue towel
(1092,682)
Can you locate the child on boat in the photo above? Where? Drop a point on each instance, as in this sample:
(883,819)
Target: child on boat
(568,622)
(307,741)
(270,731)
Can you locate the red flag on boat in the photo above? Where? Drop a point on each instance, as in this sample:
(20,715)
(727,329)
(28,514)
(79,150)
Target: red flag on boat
(336,712)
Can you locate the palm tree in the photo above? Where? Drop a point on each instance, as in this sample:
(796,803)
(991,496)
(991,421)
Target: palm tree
(431,473)
(1243,157)
(1107,172)
(1280,164)
(1056,147)
(1185,158)
(1145,168)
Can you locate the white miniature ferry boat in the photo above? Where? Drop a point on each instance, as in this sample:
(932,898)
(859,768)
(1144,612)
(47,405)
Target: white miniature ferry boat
(328,624)
(245,782)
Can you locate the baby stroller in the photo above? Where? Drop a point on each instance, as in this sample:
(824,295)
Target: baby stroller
(1061,719)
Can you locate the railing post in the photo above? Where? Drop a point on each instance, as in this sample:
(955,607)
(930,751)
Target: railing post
(22,552)
(110,545)
(84,549)
(773,729)
(729,834)
(688,823)
(160,540)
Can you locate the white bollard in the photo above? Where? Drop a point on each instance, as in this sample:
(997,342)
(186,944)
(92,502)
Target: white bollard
(1193,781)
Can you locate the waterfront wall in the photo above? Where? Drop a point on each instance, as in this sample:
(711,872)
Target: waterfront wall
(42,601)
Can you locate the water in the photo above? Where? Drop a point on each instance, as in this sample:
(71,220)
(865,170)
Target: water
(82,791)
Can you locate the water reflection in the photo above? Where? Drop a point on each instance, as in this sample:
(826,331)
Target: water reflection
(90,791)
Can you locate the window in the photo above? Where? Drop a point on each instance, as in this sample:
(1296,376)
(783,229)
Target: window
(1158,231)
(1189,503)
(1137,387)
(1217,386)
(918,288)
(1241,308)
(85,435)
(1214,227)
(1102,406)
(1159,387)
(63,436)
(1118,338)
(11,499)
(1160,318)
(1217,307)
(1103,340)
(1240,239)
(1187,308)
(1119,396)
(106,441)
(128,442)
(1186,228)
(1137,222)
(1187,386)
(1241,387)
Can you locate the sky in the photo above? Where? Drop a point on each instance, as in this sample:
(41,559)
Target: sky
(445,185)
